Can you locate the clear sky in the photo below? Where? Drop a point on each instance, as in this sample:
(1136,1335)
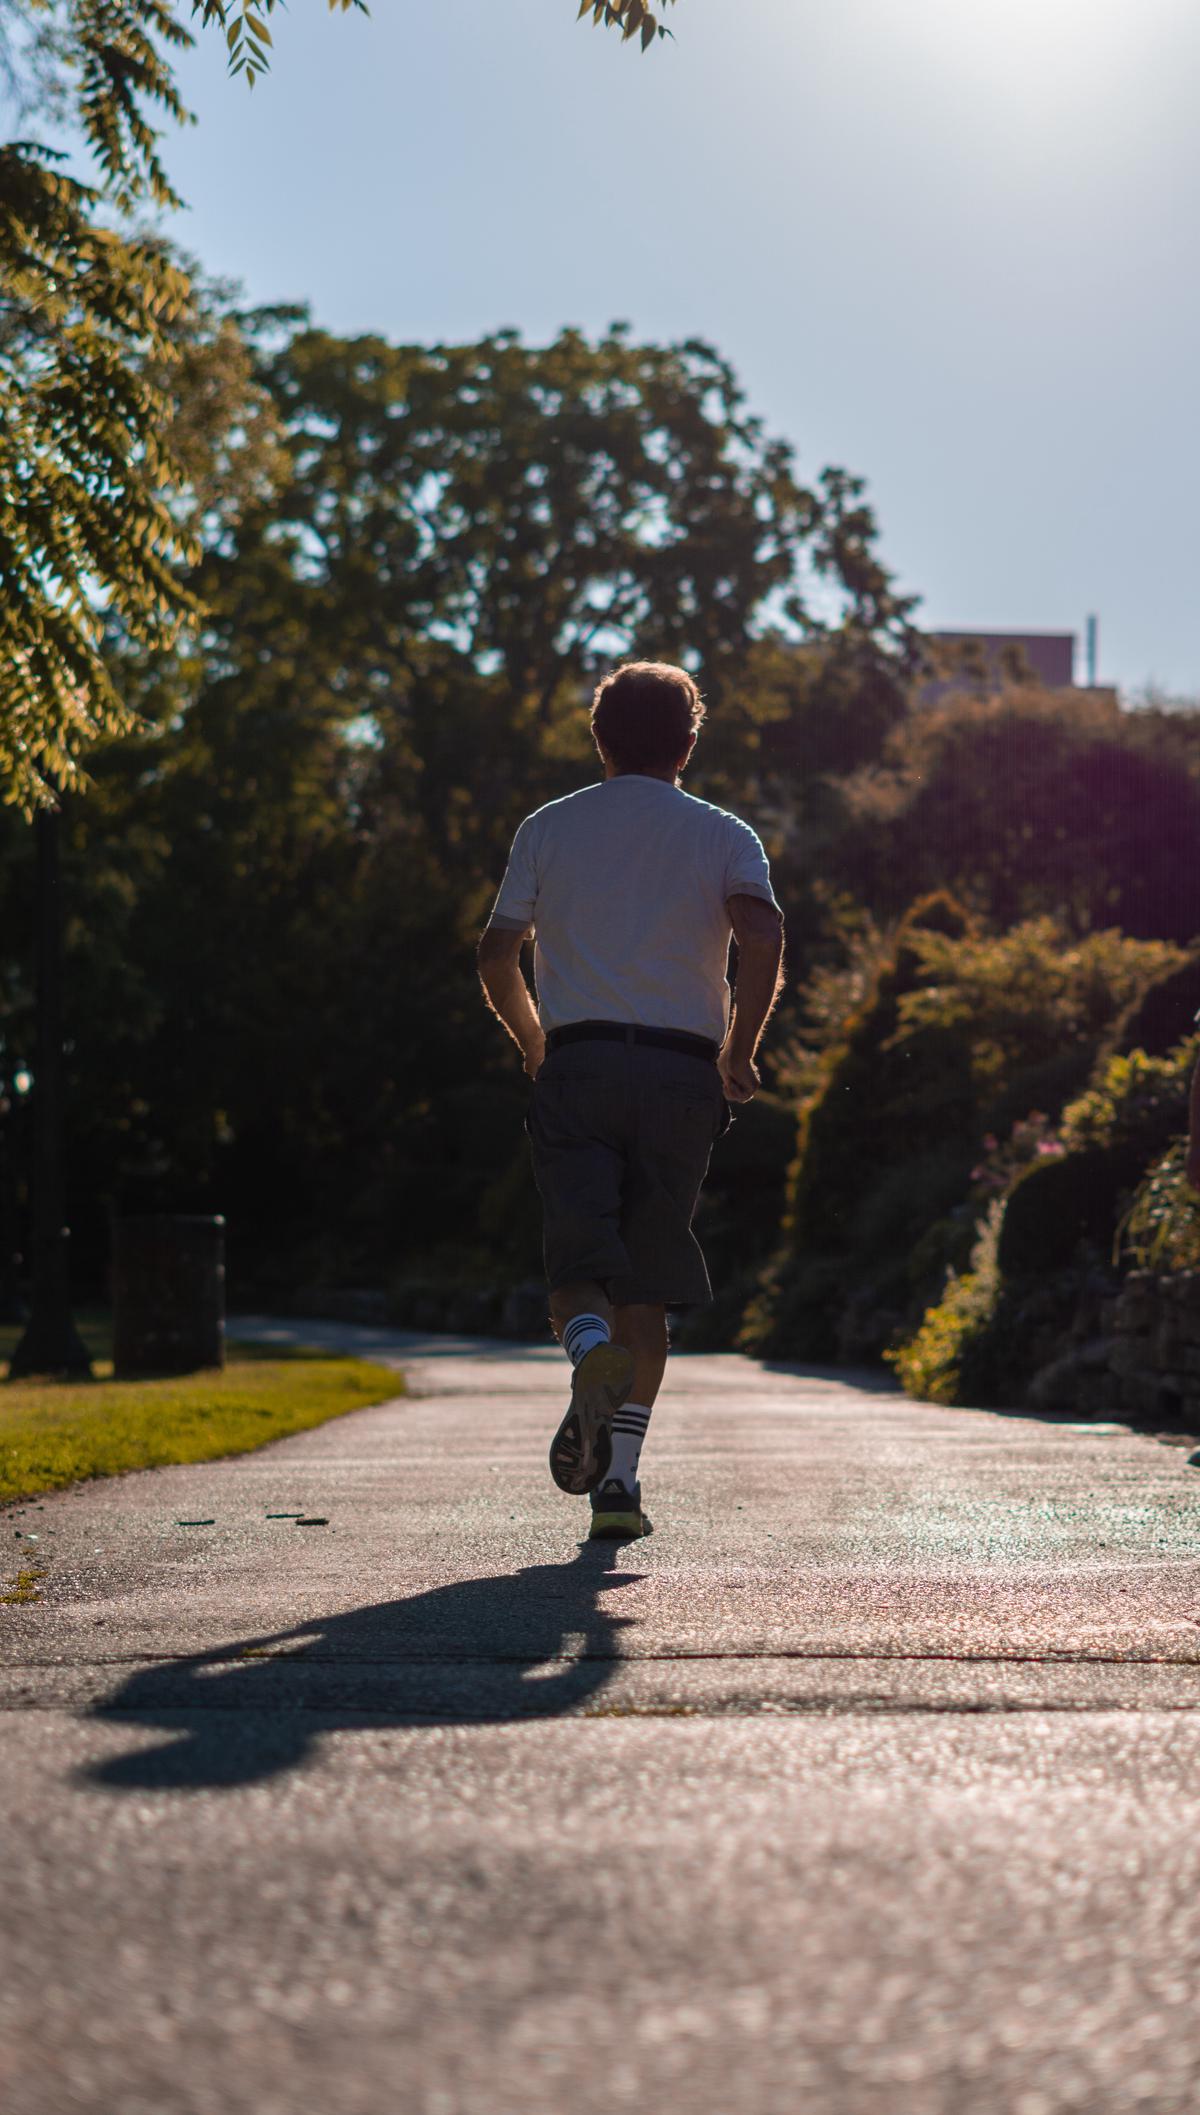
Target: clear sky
(950,244)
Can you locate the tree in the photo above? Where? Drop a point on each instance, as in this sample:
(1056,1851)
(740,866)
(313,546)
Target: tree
(1027,804)
(535,509)
(414,561)
(87,535)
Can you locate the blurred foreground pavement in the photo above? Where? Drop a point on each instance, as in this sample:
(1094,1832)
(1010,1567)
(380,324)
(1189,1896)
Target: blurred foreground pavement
(869,1784)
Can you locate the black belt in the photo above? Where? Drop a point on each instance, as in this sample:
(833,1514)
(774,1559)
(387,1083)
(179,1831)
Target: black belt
(701,1046)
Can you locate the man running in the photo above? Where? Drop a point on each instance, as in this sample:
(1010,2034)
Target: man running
(632,890)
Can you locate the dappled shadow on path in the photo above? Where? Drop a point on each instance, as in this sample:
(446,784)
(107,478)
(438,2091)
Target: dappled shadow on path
(527,1644)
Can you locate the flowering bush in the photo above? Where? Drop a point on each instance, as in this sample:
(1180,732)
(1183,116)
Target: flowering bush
(1032,1138)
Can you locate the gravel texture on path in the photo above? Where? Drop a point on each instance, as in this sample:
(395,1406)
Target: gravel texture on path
(345,1777)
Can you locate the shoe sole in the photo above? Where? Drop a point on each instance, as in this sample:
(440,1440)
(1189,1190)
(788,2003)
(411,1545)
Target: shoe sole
(581,1449)
(618,1527)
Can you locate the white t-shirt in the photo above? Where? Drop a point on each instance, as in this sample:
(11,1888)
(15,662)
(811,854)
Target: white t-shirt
(625,885)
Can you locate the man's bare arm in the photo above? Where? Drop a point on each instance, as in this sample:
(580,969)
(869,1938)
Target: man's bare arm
(507,993)
(758,930)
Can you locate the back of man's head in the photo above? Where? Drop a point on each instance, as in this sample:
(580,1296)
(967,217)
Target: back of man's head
(645,715)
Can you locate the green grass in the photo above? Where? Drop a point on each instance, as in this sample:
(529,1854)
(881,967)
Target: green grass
(54,1433)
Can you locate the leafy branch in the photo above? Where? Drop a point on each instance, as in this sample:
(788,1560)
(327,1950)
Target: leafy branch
(90,536)
(243,25)
(87,540)
(634,18)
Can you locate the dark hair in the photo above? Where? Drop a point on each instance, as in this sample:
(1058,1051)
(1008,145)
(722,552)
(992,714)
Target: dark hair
(646,713)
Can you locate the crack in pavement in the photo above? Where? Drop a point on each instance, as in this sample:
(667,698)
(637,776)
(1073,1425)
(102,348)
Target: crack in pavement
(620,1659)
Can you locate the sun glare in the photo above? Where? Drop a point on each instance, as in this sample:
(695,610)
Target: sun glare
(1038,53)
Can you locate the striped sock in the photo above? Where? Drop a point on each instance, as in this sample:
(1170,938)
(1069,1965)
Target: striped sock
(628,1431)
(581,1334)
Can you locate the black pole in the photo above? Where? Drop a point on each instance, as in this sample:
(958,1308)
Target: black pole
(51,1343)
(12,1306)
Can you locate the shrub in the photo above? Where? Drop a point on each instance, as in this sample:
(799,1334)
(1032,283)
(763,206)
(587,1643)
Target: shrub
(882,1099)
(1058,1203)
(1136,1099)
(1162,1016)
(958,1035)
(795,1312)
(931,1364)
(1043,1088)
(877,1087)
(1129,1115)
(1161,1230)
(1029,996)
(986,1337)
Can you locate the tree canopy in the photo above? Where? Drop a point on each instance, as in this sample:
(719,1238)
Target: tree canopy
(89,537)
(414,560)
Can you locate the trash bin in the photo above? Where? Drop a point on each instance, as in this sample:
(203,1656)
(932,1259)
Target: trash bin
(168,1293)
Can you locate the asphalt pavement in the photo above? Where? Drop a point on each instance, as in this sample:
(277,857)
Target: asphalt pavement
(347,1778)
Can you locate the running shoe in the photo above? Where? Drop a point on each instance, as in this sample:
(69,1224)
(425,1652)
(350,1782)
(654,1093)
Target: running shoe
(617,1512)
(581,1449)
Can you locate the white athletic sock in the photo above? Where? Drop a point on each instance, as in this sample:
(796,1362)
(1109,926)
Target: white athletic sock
(628,1431)
(582,1333)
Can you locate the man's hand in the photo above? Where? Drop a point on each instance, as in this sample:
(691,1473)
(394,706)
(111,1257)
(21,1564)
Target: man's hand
(739,1076)
(535,1056)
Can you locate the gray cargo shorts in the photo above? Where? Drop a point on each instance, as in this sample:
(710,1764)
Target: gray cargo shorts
(621,1135)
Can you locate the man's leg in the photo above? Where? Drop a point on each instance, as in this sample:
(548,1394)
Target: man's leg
(579,1303)
(576,1129)
(581,1315)
(643,1330)
(679,1111)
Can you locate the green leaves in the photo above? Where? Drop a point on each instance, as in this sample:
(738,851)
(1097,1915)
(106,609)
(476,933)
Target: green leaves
(245,31)
(634,18)
(88,543)
(544,506)
(123,76)
(89,539)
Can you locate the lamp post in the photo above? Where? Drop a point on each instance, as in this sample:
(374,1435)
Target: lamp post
(51,1342)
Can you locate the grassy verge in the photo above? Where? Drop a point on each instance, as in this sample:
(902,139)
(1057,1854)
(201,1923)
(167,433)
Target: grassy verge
(54,1433)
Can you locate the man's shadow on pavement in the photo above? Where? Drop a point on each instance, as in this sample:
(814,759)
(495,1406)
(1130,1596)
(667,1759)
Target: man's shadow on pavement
(474,1653)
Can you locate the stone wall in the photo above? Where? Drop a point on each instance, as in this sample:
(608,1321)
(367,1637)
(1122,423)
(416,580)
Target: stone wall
(1135,1355)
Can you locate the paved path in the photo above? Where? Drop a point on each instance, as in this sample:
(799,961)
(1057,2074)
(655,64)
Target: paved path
(869,1784)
